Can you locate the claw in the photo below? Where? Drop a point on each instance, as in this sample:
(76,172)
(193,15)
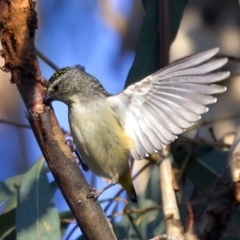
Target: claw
(71,145)
(93,193)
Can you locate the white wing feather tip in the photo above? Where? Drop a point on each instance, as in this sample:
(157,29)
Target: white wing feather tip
(227,73)
(215,100)
(207,109)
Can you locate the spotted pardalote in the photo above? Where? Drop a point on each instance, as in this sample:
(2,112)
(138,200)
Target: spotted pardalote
(141,120)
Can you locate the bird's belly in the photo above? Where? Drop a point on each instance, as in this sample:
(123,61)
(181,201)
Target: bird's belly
(101,152)
(100,140)
(95,165)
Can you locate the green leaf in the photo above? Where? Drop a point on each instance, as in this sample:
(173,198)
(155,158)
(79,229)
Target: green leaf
(9,187)
(7,225)
(215,158)
(11,204)
(202,169)
(147,58)
(36,215)
(176,10)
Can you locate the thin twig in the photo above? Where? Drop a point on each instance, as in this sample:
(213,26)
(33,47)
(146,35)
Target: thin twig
(20,125)
(117,199)
(183,166)
(136,210)
(47,60)
(234,157)
(190,217)
(157,207)
(68,220)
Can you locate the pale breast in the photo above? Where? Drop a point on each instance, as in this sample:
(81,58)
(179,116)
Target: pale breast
(100,139)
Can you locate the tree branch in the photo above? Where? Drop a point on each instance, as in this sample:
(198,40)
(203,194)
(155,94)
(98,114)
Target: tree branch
(18,22)
(170,208)
(234,160)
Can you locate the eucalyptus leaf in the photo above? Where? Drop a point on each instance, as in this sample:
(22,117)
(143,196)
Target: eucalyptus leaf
(201,167)
(36,215)
(176,9)
(9,187)
(147,58)
(11,203)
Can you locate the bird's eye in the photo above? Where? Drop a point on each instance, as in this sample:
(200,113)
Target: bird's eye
(55,88)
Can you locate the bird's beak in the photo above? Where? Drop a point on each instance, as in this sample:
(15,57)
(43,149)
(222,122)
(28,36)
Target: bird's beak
(47,100)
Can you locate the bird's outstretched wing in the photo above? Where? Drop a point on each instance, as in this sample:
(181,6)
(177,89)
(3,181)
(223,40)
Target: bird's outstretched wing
(162,105)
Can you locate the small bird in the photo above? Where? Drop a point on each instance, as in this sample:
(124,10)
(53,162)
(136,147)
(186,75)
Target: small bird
(142,119)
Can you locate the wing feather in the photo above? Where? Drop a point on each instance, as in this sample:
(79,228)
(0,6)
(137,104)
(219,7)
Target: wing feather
(146,126)
(203,79)
(186,94)
(191,87)
(187,104)
(188,62)
(153,111)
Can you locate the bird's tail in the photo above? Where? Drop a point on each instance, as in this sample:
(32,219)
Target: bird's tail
(126,182)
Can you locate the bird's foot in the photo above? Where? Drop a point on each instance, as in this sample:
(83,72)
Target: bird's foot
(71,145)
(73,148)
(94,193)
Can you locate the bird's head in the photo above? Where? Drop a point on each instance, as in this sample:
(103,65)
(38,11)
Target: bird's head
(70,83)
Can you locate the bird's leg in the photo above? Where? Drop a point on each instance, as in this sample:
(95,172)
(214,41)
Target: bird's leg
(73,148)
(83,164)
(96,193)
